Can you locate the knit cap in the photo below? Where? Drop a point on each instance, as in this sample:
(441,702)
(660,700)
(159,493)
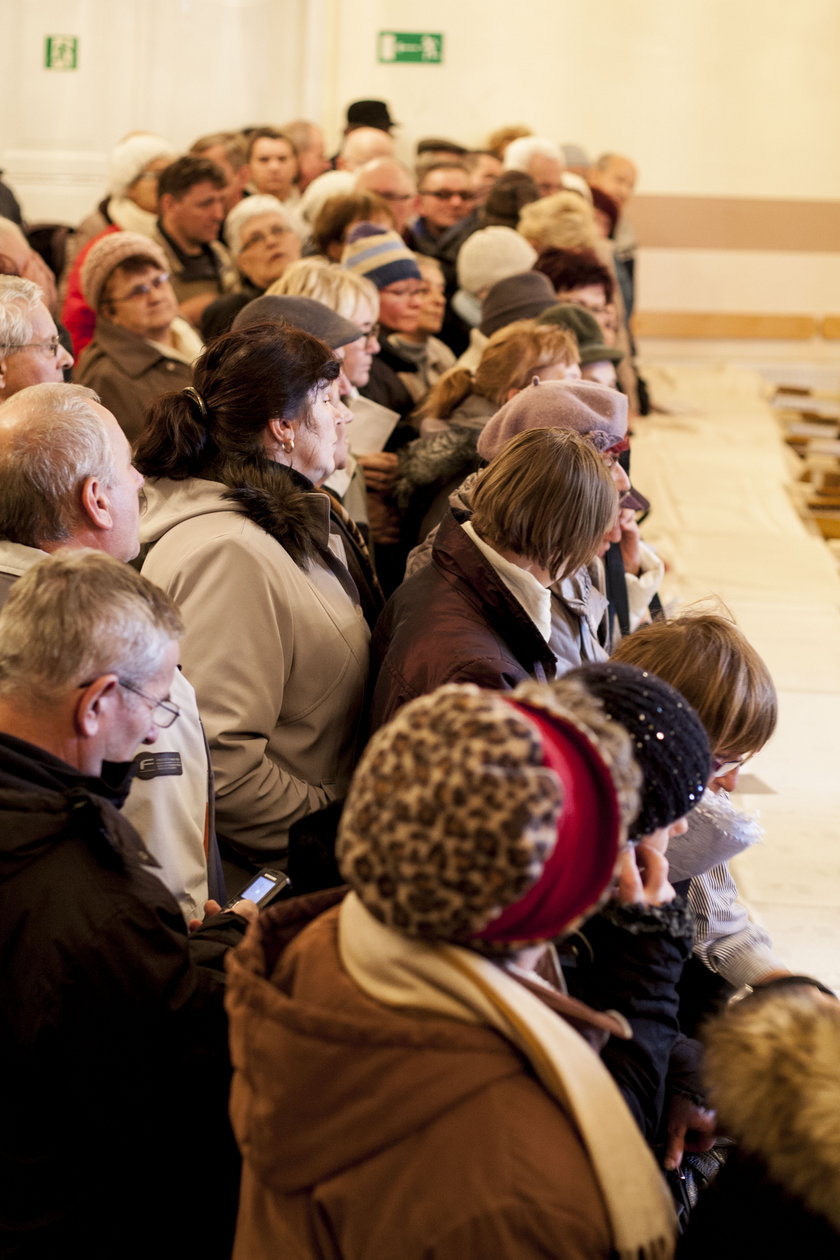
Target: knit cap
(131,157)
(466,803)
(492,254)
(380,255)
(301,312)
(106,255)
(511,191)
(517,297)
(594,411)
(587,330)
(669,741)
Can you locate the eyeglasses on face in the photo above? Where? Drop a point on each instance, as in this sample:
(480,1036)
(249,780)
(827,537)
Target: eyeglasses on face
(721,768)
(449,194)
(403,291)
(143,290)
(52,346)
(164,712)
(275,233)
(371,335)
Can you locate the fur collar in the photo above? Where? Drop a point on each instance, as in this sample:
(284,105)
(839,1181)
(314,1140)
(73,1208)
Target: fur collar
(283,503)
(772,1061)
(436,460)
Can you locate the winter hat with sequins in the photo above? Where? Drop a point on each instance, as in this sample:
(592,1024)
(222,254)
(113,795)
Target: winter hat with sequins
(669,741)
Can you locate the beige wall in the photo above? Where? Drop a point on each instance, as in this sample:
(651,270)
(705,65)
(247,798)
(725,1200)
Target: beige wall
(714,98)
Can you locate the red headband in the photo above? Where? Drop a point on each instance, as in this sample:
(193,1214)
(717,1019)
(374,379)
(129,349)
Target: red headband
(583,859)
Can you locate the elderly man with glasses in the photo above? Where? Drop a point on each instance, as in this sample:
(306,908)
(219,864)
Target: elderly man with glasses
(112,1024)
(141,348)
(67,481)
(30,350)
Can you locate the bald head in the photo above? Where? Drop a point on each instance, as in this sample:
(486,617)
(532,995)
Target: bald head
(390,180)
(616,176)
(363,145)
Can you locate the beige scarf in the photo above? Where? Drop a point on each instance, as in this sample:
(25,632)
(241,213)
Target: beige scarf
(448,980)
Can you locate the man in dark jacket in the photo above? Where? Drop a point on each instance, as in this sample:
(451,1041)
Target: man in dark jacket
(113,1055)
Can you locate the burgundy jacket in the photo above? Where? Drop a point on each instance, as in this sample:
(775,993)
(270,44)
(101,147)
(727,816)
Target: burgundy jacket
(454,621)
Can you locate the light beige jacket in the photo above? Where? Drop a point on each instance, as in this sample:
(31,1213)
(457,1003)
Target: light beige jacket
(278,655)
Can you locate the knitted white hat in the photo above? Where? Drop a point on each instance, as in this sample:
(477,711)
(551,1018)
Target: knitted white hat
(490,255)
(131,157)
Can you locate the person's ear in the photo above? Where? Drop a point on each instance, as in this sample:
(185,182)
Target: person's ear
(281,435)
(93,703)
(96,504)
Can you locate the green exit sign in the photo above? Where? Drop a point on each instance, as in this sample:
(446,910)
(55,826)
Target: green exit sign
(61,52)
(422,46)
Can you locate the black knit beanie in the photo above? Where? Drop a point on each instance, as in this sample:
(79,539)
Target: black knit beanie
(669,742)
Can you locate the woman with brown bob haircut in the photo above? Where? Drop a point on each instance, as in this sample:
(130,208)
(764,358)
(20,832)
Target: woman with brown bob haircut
(481,610)
(459,406)
(275,645)
(339,214)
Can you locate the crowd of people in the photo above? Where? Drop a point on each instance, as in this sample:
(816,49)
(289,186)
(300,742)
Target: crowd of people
(320,557)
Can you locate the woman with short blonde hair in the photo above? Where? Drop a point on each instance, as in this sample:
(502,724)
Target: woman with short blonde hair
(562,221)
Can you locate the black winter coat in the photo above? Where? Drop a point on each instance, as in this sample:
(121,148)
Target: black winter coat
(114,1068)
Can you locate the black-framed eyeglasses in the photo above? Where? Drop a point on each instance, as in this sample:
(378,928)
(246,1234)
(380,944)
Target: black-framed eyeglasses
(448,194)
(53,346)
(371,335)
(143,290)
(164,712)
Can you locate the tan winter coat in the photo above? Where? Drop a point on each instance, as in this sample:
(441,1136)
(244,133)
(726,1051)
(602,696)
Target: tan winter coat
(372,1133)
(277,652)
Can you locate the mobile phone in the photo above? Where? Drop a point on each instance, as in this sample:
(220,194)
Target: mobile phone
(265,887)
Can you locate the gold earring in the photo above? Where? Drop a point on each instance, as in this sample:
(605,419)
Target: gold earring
(288,445)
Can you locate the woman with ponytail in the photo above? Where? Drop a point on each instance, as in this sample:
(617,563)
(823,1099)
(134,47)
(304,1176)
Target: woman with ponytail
(275,643)
(458,408)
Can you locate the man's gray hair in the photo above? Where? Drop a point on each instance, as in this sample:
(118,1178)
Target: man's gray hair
(78,615)
(233,143)
(249,208)
(51,441)
(520,153)
(19,301)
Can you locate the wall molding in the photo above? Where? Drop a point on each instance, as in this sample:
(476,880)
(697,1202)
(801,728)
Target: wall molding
(699,325)
(748,223)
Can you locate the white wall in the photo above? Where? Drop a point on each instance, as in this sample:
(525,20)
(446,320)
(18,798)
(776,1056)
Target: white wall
(712,97)
(179,67)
